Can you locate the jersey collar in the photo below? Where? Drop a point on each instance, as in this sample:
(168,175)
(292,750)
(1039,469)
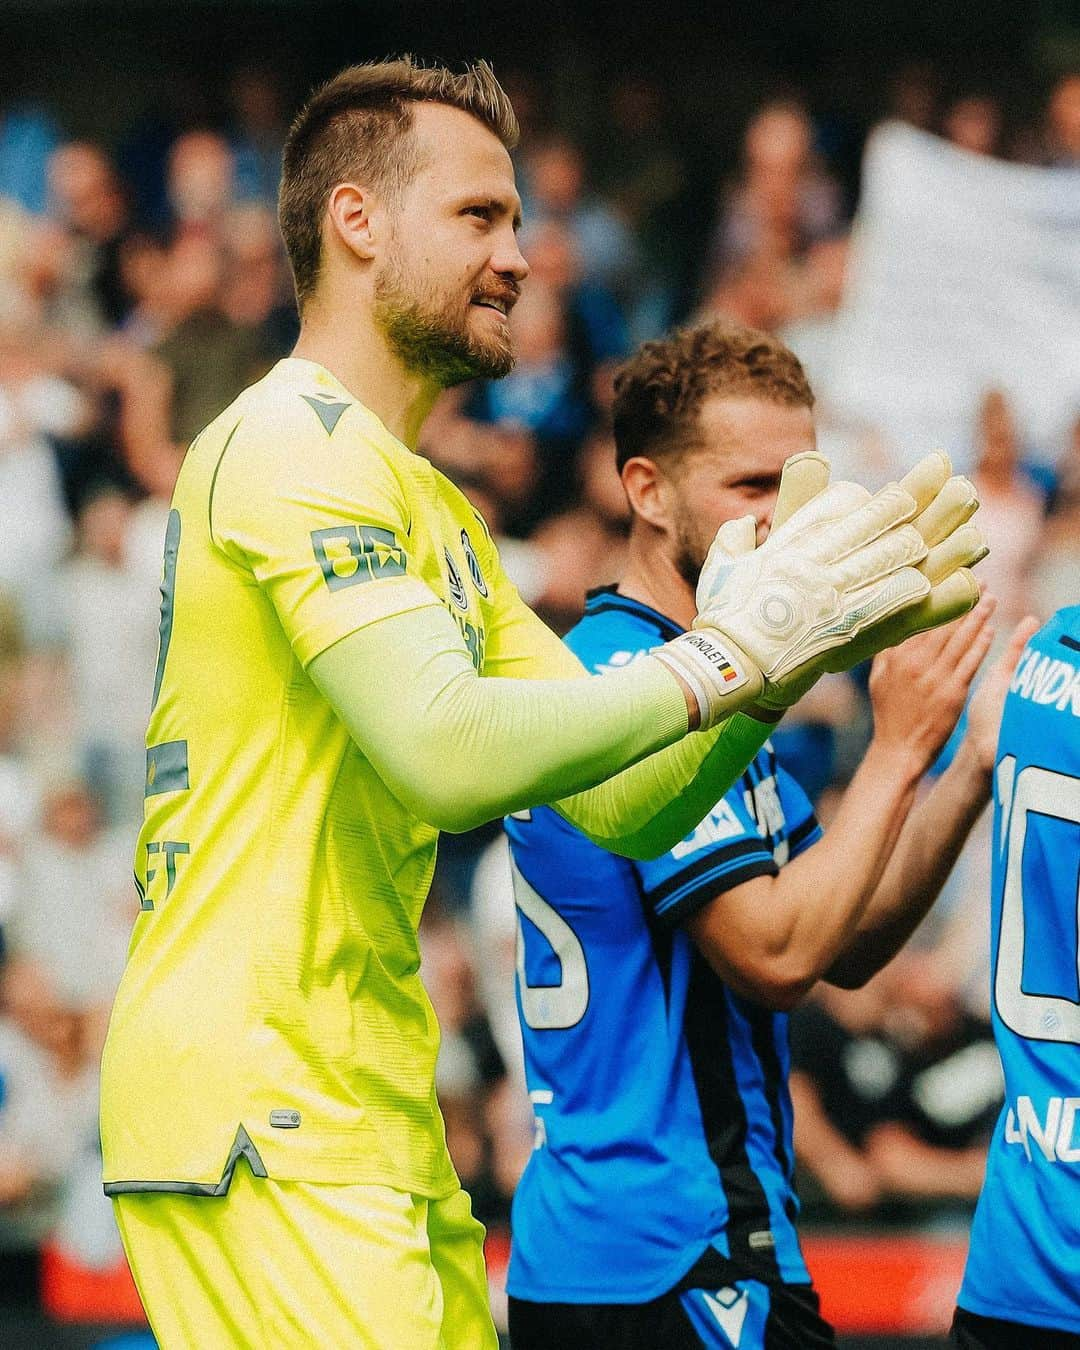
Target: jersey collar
(605,598)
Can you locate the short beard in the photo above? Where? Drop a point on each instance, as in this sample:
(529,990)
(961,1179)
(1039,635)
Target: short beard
(689,560)
(432,340)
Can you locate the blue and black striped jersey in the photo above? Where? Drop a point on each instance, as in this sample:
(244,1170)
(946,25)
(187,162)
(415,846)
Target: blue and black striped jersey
(662,1112)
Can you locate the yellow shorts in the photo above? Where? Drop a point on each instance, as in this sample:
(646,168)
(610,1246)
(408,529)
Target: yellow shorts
(278,1265)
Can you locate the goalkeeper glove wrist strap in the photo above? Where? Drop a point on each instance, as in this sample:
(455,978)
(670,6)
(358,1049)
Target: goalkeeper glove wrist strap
(718,674)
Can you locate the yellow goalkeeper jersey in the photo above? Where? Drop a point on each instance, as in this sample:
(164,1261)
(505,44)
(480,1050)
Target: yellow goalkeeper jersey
(272,1004)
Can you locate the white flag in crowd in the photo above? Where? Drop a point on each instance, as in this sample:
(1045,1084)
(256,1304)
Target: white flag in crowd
(965,275)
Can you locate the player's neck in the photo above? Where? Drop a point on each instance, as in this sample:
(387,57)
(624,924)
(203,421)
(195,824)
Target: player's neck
(652,578)
(370,371)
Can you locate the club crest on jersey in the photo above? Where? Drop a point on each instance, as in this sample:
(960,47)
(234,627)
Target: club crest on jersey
(473,564)
(457,587)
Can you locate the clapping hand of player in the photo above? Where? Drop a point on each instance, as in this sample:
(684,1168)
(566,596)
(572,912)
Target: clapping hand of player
(918,690)
(842,575)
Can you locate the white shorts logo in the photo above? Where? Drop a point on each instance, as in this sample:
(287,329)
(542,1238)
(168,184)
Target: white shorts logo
(729,1306)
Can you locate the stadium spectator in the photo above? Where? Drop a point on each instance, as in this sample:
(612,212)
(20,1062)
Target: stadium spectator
(36,1128)
(1055,580)
(469,1069)
(840,1071)
(34,525)
(913,94)
(208,356)
(143,265)
(782,202)
(257,294)
(1063,122)
(596,326)
(646,174)
(76,964)
(541,393)
(257,133)
(497,460)
(90,212)
(556,185)
(584,546)
(895,1090)
(973,123)
(18,790)
(58,982)
(201,183)
(111,640)
(549,394)
(1011,510)
(28,137)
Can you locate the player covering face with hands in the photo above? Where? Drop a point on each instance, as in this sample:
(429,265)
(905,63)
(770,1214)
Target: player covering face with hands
(344,670)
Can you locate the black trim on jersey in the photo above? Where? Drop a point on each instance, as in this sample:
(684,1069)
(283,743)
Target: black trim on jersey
(802,832)
(751,778)
(972,1331)
(723,1115)
(763,1039)
(1067,641)
(759,863)
(606,598)
(663,944)
(709,890)
(761,1019)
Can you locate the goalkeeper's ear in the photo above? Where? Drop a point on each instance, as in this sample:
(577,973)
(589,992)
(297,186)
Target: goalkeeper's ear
(803,477)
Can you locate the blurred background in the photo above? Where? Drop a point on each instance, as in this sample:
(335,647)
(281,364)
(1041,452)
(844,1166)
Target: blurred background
(893,188)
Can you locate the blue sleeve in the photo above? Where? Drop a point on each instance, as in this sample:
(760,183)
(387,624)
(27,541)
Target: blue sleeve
(801,825)
(725,850)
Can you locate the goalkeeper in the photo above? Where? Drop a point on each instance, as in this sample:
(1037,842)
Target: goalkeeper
(329,605)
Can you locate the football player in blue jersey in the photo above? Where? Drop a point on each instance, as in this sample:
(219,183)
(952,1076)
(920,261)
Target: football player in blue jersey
(1022,1284)
(658,1208)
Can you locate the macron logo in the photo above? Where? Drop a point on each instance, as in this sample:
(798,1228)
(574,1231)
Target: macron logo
(729,1307)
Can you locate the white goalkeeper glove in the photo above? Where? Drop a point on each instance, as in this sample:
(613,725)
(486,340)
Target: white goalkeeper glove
(838,569)
(954,547)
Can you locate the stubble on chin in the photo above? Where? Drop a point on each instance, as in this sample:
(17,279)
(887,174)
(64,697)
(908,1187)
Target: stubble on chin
(434,340)
(689,558)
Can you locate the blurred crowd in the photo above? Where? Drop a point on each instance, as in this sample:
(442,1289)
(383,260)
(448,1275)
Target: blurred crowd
(141,288)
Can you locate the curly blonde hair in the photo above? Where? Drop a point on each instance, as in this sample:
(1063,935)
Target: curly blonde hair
(660,389)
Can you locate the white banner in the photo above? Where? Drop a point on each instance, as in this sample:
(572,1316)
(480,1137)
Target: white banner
(965,275)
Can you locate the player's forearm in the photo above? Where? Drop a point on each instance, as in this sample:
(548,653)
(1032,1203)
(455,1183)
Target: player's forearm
(459,750)
(926,851)
(783,945)
(647,809)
